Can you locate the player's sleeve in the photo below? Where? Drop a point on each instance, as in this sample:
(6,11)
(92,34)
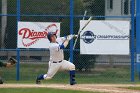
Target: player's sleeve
(63,38)
(69,37)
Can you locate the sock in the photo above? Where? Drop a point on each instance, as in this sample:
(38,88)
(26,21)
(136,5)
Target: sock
(72,76)
(40,77)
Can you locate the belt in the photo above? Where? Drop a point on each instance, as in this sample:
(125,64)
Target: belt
(57,61)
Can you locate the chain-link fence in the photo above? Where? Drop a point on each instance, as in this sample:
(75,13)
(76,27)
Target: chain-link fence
(89,68)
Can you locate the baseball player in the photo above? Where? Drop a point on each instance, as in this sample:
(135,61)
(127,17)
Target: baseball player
(11,62)
(57,61)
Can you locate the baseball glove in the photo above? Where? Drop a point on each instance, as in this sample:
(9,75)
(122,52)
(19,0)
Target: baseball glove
(12,61)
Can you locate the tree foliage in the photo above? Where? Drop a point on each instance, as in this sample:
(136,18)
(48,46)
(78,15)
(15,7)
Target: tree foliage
(95,7)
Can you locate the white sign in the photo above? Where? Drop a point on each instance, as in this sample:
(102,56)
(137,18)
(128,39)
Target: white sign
(138,58)
(34,34)
(105,37)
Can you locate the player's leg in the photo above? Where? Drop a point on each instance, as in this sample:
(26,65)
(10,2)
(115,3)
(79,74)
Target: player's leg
(11,62)
(2,65)
(66,65)
(53,68)
(1,81)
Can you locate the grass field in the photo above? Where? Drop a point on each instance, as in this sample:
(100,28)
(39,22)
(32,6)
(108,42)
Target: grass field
(133,88)
(40,90)
(28,73)
(66,88)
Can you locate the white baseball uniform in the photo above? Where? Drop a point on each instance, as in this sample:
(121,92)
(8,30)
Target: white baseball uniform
(57,61)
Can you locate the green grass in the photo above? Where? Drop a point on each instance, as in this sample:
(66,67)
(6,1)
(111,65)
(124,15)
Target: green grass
(40,90)
(132,88)
(28,73)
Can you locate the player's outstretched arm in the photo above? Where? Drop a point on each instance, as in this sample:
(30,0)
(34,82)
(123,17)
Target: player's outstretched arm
(11,62)
(69,37)
(64,44)
(66,41)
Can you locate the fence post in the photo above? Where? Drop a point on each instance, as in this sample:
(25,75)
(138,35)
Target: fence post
(132,39)
(138,36)
(17,49)
(71,30)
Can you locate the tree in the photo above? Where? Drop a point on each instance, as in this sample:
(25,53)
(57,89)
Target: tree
(95,7)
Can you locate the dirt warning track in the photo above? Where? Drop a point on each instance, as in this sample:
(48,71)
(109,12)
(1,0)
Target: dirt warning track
(109,88)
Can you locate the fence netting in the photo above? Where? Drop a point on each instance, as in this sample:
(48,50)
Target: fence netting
(89,68)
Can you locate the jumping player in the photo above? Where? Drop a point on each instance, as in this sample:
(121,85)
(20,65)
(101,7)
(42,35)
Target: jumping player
(11,62)
(57,61)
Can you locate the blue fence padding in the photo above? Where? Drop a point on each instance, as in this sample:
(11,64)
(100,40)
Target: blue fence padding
(71,28)
(18,50)
(132,40)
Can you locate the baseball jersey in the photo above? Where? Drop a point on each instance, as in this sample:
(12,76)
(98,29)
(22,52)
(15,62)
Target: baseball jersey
(56,54)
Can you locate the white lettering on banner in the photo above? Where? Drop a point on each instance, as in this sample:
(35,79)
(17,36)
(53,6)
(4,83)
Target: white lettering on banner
(31,33)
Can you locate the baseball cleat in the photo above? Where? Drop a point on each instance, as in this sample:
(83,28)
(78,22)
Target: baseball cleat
(1,81)
(73,83)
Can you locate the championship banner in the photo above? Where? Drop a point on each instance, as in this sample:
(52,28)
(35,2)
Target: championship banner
(34,34)
(105,37)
